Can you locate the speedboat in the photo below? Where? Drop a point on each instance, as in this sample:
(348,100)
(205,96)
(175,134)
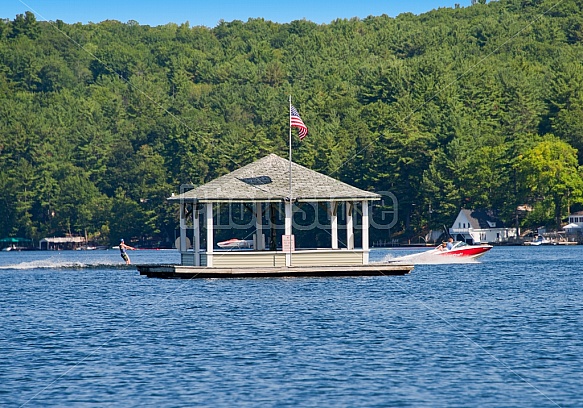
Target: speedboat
(459,252)
(460,249)
(235,243)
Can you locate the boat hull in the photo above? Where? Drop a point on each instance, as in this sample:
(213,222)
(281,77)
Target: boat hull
(459,253)
(468,252)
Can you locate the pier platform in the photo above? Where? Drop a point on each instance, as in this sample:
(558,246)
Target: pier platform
(192,272)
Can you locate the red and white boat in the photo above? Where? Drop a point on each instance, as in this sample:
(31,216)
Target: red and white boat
(460,249)
(459,252)
(235,243)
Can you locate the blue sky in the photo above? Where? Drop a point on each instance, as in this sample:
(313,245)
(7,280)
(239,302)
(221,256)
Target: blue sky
(210,12)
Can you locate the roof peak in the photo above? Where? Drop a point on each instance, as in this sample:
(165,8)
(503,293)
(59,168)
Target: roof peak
(267,179)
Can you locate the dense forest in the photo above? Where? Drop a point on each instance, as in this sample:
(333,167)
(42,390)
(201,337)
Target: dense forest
(478,107)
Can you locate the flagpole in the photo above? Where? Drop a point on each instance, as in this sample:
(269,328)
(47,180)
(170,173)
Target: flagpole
(290,179)
(290,150)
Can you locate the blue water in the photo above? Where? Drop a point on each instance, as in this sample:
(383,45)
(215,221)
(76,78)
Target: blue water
(80,329)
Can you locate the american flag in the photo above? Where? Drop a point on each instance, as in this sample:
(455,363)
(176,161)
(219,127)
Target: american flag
(296,121)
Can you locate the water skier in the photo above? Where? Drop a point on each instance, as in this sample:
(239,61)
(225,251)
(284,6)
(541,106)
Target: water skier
(122,249)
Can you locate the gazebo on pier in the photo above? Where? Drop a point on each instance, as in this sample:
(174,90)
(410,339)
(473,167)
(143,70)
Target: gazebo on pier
(261,187)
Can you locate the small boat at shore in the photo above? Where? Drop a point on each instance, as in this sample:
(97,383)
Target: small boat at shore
(540,240)
(235,243)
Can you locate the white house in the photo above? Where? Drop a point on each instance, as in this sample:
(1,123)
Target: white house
(575,225)
(476,227)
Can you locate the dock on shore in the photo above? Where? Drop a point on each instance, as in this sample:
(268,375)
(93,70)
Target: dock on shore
(192,272)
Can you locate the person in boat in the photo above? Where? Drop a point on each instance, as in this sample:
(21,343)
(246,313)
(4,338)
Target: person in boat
(449,245)
(441,247)
(122,249)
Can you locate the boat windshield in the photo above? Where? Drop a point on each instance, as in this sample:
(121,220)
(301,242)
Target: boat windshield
(458,244)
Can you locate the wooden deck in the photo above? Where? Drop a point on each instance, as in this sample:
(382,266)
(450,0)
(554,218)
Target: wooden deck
(192,272)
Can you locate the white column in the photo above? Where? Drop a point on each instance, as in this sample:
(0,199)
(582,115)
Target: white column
(209,234)
(365,232)
(196,235)
(334,223)
(349,226)
(288,218)
(288,228)
(259,227)
(182,245)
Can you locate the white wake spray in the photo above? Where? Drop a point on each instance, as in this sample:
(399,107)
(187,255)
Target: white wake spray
(57,263)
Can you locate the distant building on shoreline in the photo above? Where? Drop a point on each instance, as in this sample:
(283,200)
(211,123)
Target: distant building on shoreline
(478,227)
(61,243)
(574,229)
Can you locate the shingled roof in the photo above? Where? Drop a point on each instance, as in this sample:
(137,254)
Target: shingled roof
(267,179)
(480,219)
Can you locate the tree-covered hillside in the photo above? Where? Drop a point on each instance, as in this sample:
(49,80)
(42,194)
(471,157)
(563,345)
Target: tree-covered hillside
(477,107)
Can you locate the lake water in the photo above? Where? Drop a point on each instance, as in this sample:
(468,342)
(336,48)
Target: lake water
(81,329)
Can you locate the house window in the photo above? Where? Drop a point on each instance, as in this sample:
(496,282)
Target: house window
(459,224)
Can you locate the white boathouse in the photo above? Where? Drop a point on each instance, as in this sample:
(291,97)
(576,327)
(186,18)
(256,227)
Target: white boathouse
(262,187)
(574,228)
